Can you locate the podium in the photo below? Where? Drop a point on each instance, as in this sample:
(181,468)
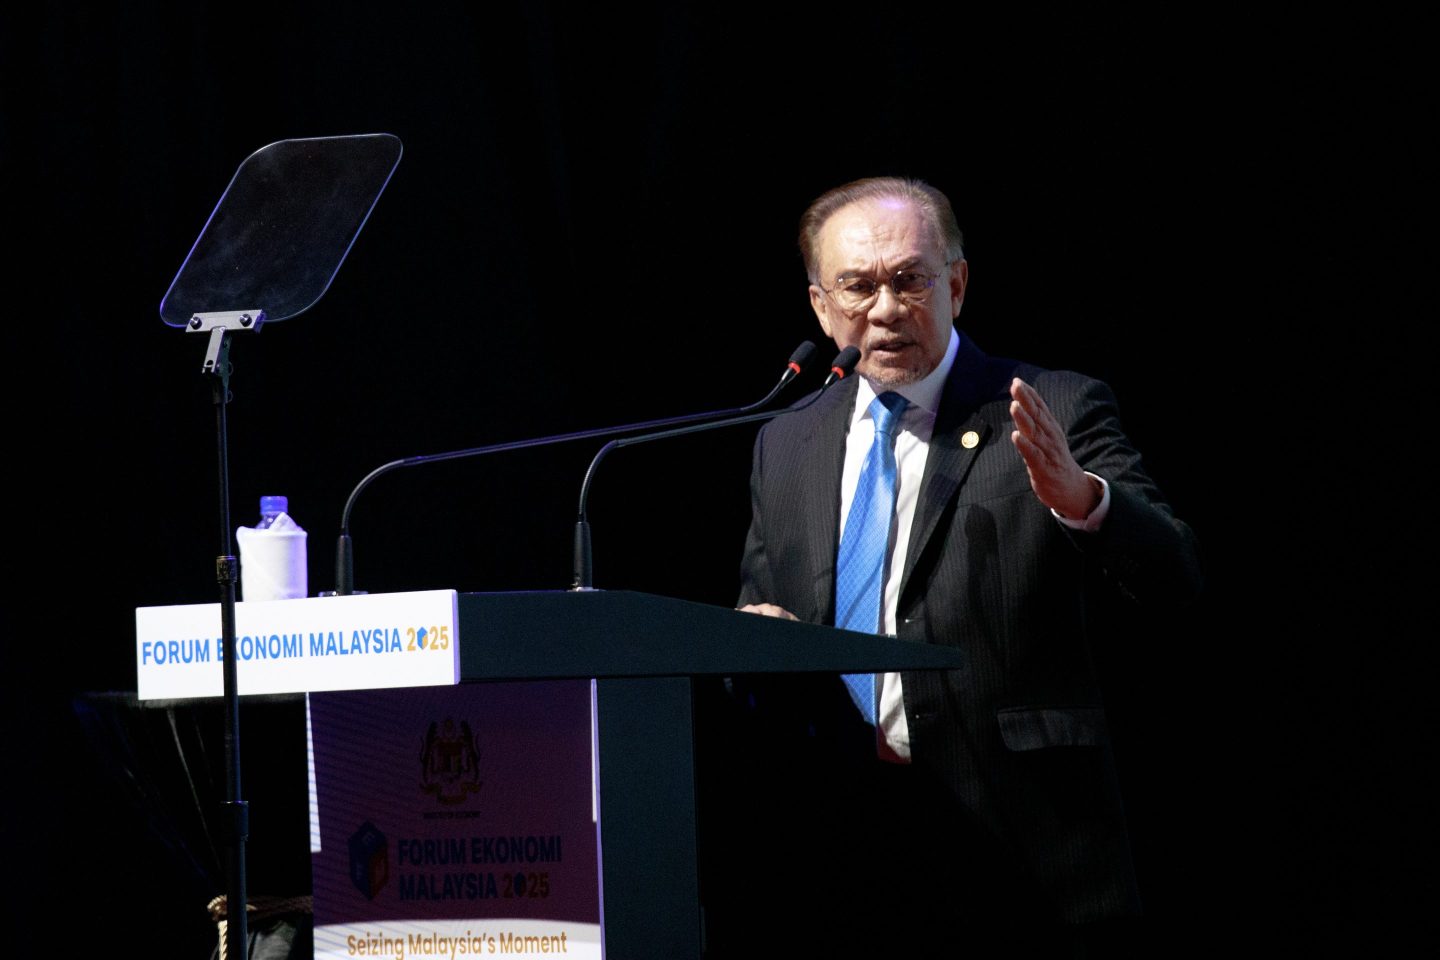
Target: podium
(646,656)
(644,653)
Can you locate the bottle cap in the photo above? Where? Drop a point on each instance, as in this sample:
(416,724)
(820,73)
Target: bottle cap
(269,505)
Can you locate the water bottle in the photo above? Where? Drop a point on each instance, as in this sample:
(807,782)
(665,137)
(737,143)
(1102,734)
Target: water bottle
(270,509)
(272,555)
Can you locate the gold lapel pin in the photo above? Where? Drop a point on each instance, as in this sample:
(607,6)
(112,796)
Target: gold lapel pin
(969,439)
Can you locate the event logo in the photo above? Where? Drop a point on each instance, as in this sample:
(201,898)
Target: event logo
(369,860)
(450,761)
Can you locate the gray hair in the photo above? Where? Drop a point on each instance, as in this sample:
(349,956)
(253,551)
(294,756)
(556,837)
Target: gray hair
(934,204)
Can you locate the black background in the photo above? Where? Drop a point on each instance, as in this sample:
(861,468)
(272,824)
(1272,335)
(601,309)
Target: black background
(593,224)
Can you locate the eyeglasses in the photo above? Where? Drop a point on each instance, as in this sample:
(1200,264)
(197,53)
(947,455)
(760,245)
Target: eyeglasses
(857,293)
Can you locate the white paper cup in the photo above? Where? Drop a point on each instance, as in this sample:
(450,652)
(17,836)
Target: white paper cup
(272,564)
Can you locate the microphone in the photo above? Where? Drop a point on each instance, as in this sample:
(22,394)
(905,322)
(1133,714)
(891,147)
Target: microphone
(344,547)
(840,368)
(799,360)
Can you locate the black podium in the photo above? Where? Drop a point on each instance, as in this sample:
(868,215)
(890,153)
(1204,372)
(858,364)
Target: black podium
(645,653)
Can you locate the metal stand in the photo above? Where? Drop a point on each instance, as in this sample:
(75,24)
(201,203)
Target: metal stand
(236,821)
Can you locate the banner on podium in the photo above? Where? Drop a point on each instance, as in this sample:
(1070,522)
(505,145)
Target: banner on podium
(456,821)
(368,641)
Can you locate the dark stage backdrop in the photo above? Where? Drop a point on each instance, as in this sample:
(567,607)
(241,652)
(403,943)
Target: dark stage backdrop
(593,224)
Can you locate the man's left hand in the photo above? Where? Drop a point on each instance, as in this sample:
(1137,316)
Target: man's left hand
(1054,475)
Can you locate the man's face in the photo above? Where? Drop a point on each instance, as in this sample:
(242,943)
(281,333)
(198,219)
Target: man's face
(901,339)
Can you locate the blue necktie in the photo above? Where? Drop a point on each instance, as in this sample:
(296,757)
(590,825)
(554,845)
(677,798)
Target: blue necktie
(860,567)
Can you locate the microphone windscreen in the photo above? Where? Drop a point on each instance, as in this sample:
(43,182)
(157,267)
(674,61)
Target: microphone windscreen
(844,362)
(802,356)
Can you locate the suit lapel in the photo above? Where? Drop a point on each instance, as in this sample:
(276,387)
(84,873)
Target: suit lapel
(822,461)
(960,433)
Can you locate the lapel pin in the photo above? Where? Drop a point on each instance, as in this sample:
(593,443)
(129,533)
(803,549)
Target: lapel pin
(969,439)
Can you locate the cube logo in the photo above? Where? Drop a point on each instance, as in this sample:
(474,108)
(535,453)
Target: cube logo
(369,860)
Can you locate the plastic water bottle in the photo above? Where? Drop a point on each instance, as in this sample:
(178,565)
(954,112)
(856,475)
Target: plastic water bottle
(270,508)
(272,554)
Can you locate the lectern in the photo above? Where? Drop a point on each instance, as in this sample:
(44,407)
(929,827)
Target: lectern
(644,651)
(644,654)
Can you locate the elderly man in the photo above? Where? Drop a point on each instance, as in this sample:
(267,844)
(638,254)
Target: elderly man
(946,496)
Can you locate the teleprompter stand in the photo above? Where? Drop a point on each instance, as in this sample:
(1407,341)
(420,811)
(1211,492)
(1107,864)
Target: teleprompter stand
(269,251)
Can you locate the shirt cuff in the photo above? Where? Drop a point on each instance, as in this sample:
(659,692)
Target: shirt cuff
(1097,516)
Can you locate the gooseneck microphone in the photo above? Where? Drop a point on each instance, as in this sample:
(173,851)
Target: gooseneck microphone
(344,548)
(840,368)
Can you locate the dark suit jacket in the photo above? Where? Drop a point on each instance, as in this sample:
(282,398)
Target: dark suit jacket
(1016,739)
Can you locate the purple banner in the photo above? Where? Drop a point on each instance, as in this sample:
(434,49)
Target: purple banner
(472,803)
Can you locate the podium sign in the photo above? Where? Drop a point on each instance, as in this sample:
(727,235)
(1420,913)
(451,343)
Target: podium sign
(295,646)
(456,821)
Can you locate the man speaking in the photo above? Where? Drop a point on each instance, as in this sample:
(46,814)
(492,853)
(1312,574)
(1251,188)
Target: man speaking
(946,496)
